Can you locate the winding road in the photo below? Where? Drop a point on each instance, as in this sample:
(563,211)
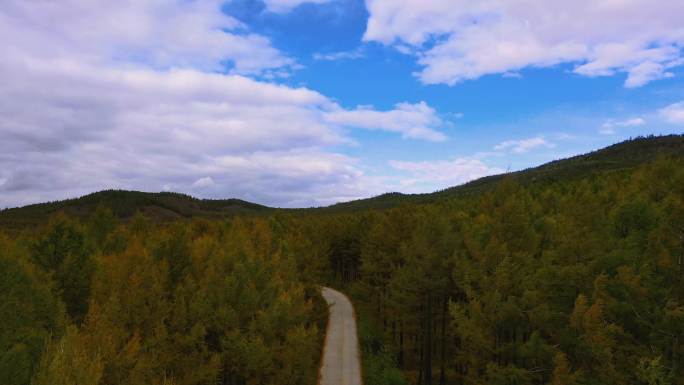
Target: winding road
(341,352)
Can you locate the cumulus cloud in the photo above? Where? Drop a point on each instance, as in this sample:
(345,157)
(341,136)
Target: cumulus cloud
(432,175)
(159,34)
(415,121)
(283,6)
(610,126)
(112,96)
(524,145)
(70,129)
(457,40)
(674,113)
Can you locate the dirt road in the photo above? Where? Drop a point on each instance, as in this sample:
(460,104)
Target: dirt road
(341,352)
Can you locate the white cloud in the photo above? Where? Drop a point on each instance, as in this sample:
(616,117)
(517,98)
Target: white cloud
(646,72)
(429,176)
(459,40)
(415,121)
(204,182)
(283,6)
(343,55)
(512,75)
(70,129)
(524,145)
(160,34)
(74,129)
(610,126)
(112,96)
(674,113)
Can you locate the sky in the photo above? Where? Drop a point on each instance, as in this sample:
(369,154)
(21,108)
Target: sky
(296,103)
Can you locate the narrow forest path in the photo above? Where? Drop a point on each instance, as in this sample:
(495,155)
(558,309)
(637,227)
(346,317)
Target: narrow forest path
(341,352)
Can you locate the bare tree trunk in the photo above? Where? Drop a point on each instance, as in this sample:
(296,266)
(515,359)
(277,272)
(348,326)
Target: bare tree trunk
(420,366)
(675,346)
(428,344)
(442,378)
(401,344)
(675,338)
(681,255)
(394,331)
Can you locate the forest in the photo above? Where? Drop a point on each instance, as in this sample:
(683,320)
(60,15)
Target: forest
(104,302)
(572,279)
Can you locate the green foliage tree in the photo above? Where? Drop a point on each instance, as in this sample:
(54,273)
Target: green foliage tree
(30,315)
(62,250)
(67,361)
(101,225)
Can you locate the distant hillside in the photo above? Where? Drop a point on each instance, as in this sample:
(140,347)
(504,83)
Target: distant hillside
(161,206)
(621,156)
(171,206)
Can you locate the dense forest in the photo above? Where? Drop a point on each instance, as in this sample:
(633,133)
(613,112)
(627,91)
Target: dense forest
(547,277)
(204,302)
(569,283)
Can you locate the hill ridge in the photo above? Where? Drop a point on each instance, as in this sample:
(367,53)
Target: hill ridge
(169,205)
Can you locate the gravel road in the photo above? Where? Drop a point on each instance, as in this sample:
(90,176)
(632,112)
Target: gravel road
(341,353)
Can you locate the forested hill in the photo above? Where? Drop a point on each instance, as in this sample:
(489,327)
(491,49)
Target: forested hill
(163,206)
(168,206)
(621,156)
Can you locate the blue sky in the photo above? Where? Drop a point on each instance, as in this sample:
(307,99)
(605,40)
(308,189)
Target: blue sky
(564,108)
(299,103)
